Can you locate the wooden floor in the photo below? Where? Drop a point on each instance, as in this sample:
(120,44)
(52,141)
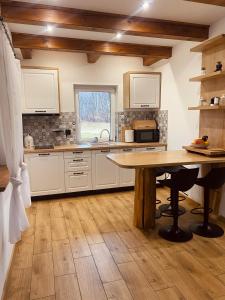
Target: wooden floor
(87,248)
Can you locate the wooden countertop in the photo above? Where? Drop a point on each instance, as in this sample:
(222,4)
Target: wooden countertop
(160,159)
(75,147)
(4,178)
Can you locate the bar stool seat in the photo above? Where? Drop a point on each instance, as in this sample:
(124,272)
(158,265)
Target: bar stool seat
(212,181)
(182,181)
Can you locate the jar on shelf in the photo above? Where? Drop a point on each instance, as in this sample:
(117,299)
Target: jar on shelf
(203,71)
(203,102)
(222,100)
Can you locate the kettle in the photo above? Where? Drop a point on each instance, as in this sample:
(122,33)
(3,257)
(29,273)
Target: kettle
(28,141)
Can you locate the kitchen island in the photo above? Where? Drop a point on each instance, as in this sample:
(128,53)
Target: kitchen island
(145,165)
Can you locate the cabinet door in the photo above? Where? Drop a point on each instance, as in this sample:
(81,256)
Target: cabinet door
(46,171)
(145,90)
(78,181)
(40,91)
(127,176)
(105,174)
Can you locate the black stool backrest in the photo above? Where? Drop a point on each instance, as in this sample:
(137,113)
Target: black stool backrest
(184,179)
(214,179)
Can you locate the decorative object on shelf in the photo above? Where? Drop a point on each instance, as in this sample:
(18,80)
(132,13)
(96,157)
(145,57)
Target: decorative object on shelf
(214,101)
(219,66)
(28,141)
(222,100)
(203,71)
(129,136)
(203,102)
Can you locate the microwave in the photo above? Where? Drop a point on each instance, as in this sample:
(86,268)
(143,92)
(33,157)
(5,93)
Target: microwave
(146,135)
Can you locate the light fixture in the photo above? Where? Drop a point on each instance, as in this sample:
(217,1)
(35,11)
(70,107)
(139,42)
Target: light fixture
(49,28)
(118,35)
(145,5)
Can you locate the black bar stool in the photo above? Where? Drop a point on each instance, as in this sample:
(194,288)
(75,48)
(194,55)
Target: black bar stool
(212,181)
(166,209)
(182,181)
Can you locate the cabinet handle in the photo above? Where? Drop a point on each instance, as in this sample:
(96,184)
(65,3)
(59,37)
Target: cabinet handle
(78,152)
(127,150)
(40,111)
(144,105)
(105,151)
(80,173)
(78,160)
(150,148)
(44,154)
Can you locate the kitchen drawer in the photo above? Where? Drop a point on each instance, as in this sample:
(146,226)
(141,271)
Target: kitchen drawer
(78,181)
(77,154)
(77,164)
(151,149)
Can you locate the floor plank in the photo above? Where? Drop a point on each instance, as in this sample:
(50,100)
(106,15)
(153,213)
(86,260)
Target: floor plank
(43,239)
(170,294)
(117,290)
(42,284)
(90,284)
(62,258)
(66,287)
(107,268)
(58,227)
(136,282)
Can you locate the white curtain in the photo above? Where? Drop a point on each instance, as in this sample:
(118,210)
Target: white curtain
(12,137)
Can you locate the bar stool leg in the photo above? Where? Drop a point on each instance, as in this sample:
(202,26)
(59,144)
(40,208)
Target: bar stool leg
(205,228)
(172,232)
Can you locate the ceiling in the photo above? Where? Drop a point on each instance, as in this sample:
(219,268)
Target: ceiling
(176,10)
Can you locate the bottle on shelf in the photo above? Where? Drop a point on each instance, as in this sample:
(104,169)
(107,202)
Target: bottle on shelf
(222,100)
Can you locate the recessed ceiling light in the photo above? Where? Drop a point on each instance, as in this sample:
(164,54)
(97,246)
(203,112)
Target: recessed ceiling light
(145,5)
(49,28)
(118,35)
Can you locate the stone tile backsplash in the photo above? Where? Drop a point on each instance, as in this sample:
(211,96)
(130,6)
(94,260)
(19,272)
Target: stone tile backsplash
(41,128)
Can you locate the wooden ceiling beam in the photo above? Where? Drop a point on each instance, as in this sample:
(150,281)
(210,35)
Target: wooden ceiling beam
(36,14)
(26,53)
(95,48)
(212,2)
(148,61)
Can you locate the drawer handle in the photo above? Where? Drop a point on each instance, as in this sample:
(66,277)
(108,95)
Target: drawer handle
(40,111)
(127,150)
(78,160)
(105,151)
(150,148)
(80,173)
(44,154)
(78,152)
(144,105)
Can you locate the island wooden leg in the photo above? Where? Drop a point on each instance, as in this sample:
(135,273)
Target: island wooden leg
(145,198)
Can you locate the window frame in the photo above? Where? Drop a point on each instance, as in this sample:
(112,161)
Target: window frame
(96,88)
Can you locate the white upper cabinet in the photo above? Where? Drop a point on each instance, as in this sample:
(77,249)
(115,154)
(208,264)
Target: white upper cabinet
(40,91)
(142,90)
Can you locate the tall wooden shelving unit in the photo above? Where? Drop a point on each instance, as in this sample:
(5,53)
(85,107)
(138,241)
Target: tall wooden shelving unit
(212,119)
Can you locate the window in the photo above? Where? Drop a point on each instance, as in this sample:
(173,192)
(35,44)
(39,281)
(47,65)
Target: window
(95,112)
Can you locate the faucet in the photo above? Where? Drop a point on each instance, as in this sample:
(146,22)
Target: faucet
(103,131)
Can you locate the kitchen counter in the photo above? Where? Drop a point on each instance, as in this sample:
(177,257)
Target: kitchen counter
(4,178)
(77,147)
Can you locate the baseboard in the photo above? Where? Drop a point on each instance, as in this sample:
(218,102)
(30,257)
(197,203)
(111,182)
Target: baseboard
(7,273)
(84,193)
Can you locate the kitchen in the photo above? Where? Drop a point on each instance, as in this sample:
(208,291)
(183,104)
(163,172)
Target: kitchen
(87,106)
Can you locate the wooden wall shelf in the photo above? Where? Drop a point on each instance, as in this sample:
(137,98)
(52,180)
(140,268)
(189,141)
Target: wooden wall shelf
(209,76)
(207,107)
(208,44)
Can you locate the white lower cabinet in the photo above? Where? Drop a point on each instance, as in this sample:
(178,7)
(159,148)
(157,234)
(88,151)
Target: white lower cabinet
(127,176)
(105,174)
(46,171)
(78,181)
(57,172)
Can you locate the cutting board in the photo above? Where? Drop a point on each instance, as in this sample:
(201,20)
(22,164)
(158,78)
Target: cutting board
(207,152)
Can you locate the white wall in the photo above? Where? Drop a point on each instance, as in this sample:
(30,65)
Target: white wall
(5,247)
(74,69)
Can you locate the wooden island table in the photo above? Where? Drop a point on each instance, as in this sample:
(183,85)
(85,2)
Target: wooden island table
(145,164)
